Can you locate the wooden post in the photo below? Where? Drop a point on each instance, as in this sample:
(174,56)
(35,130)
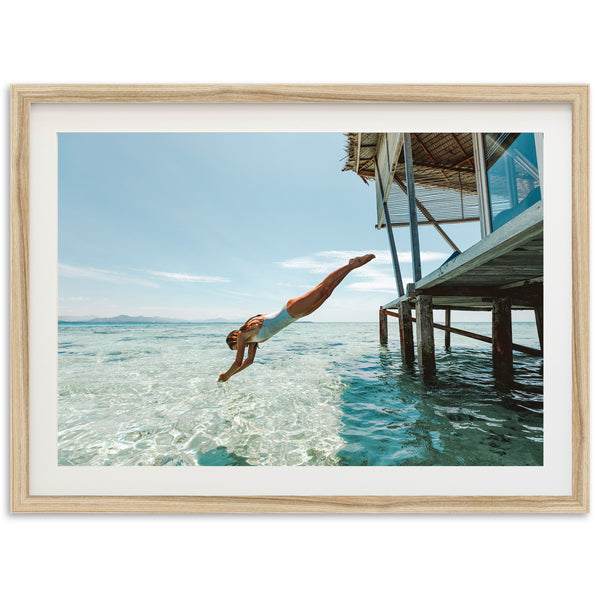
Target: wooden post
(407,344)
(425,343)
(539,322)
(412,207)
(395,262)
(447,333)
(383,327)
(502,356)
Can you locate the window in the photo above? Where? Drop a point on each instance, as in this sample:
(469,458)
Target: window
(513,174)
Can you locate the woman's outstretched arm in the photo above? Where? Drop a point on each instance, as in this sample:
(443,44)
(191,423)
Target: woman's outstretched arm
(240,364)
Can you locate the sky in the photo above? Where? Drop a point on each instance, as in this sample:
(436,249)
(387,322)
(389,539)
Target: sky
(200,226)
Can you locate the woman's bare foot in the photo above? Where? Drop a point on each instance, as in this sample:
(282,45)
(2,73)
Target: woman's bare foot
(359,261)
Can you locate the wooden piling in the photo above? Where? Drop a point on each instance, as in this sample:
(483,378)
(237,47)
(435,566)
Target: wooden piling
(407,344)
(425,343)
(502,356)
(447,333)
(539,322)
(383,327)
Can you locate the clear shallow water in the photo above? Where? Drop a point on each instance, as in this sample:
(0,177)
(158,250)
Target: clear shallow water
(317,394)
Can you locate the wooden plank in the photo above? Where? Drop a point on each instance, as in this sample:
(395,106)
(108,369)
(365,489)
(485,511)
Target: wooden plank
(523,228)
(448,324)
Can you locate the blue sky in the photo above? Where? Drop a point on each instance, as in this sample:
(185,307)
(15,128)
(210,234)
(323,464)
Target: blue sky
(199,226)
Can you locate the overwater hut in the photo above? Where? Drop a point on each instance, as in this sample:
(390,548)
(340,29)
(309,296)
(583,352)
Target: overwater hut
(431,179)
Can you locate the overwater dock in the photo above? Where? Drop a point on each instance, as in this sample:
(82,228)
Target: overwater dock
(439,178)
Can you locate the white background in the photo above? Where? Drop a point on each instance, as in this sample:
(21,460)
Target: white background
(250,556)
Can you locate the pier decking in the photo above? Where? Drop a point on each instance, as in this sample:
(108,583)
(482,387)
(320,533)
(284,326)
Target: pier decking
(509,262)
(457,178)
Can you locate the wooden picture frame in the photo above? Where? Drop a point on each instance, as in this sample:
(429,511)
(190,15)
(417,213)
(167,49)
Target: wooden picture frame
(22,98)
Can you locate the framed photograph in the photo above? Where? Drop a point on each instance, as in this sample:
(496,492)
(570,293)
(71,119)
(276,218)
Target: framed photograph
(280,298)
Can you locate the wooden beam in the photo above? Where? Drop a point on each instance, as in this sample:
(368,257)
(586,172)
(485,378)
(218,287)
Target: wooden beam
(523,282)
(486,338)
(462,162)
(428,216)
(412,208)
(453,168)
(439,222)
(467,157)
(459,145)
(444,168)
(530,293)
(447,334)
(420,142)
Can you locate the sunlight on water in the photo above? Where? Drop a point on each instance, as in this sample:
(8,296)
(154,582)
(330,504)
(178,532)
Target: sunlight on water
(317,394)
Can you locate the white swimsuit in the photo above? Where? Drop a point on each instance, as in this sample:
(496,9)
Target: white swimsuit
(274,323)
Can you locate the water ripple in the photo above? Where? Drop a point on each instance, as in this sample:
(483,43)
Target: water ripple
(150,397)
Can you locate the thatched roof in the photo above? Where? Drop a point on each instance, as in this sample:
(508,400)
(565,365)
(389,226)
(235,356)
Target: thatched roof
(444,175)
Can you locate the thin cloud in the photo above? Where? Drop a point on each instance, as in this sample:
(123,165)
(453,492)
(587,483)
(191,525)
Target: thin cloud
(327,261)
(186,277)
(102,275)
(378,282)
(375,276)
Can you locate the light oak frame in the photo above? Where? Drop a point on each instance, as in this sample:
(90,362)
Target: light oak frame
(22,96)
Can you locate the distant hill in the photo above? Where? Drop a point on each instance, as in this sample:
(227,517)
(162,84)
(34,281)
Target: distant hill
(120,319)
(129,319)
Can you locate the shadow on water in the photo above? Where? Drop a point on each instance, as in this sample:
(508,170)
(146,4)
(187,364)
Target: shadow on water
(462,415)
(220,457)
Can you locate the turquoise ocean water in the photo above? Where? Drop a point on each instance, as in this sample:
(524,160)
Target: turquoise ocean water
(317,394)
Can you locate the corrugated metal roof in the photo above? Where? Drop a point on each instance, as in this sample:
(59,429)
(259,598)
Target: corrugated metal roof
(445,206)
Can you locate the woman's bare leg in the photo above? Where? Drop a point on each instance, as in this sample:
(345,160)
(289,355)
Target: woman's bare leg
(309,302)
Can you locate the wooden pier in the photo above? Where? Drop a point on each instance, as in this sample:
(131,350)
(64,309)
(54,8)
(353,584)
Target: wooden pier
(501,273)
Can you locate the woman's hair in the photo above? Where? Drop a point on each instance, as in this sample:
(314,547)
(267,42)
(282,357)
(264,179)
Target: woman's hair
(232,338)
